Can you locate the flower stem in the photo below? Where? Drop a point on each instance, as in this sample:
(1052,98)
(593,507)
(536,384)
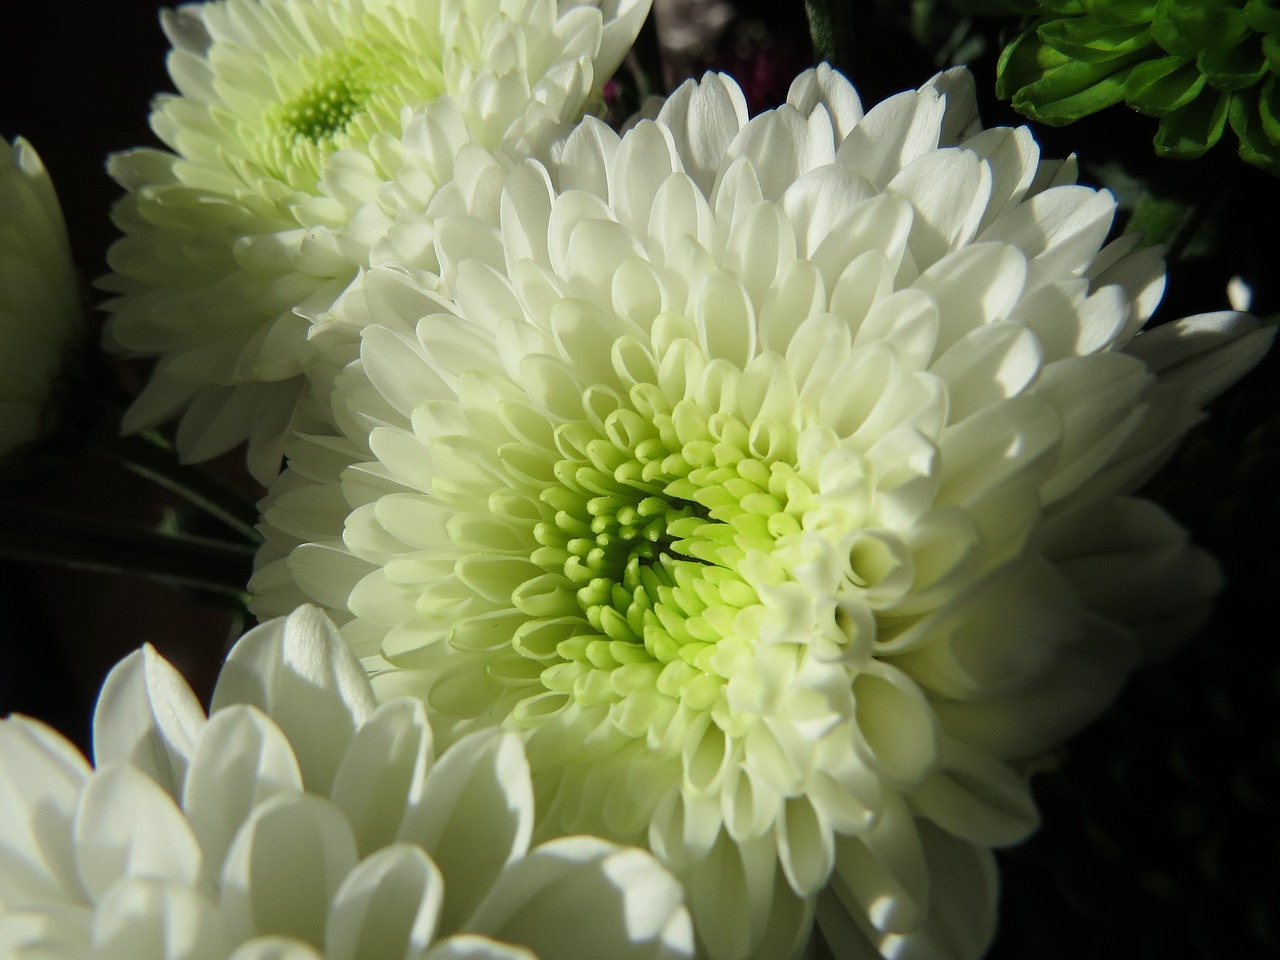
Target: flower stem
(47,536)
(151,456)
(831,27)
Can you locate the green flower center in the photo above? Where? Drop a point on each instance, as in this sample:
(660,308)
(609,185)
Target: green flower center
(327,107)
(623,552)
(653,518)
(341,98)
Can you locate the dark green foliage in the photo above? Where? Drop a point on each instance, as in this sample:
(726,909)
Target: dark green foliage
(1198,66)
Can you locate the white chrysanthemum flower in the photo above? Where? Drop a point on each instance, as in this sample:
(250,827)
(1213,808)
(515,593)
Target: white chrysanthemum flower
(300,128)
(40,306)
(300,821)
(772,475)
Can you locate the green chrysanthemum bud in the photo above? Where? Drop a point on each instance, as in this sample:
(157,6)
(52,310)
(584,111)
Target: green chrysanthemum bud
(1197,65)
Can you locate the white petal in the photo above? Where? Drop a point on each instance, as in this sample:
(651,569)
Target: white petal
(387,907)
(636,908)
(468,946)
(732,895)
(882,874)
(987,365)
(827,87)
(474,816)
(820,202)
(284,866)
(845,933)
(1140,275)
(960,921)
(147,716)
(949,190)
(622,22)
(586,158)
(145,918)
(58,931)
(1013,156)
(976,798)
(1070,323)
(679,210)
(1130,562)
(806,846)
(275,948)
(1067,694)
(725,319)
(974,286)
(395,365)
(961,121)
(994,463)
(241,761)
(895,730)
(893,133)
(1100,401)
(1060,231)
(127,826)
(299,671)
(383,771)
(760,248)
(996,636)
(704,117)
(645,159)
(1204,354)
(781,146)
(962,900)
(41,777)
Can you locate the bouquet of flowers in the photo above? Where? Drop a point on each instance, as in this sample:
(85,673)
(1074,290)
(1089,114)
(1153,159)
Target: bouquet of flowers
(599,478)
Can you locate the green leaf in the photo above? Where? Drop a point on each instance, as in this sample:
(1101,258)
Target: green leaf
(1024,61)
(1158,219)
(1159,87)
(1189,132)
(1185,27)
(1069,94)
(1263,16)
(1066,8)
(1233,67)
(1121,11)
(1085,39)
(1269,110)
(1074,90)
(1271,50)
(1246,120)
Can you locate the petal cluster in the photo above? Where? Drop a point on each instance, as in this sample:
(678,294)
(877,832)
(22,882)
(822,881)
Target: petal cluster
(1197,65)
(299,129)
(300,821)
(772,477)
(41,312)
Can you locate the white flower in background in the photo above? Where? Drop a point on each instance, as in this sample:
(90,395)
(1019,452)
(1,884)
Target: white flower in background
(41,313)
(299,130)
(301,820)
(688,28)
(1239,293)
(772,476)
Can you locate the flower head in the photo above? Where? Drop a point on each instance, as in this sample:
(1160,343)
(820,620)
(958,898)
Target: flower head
(40,307)
(299,821)
(1197,65)
(771,476)
(300,127)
